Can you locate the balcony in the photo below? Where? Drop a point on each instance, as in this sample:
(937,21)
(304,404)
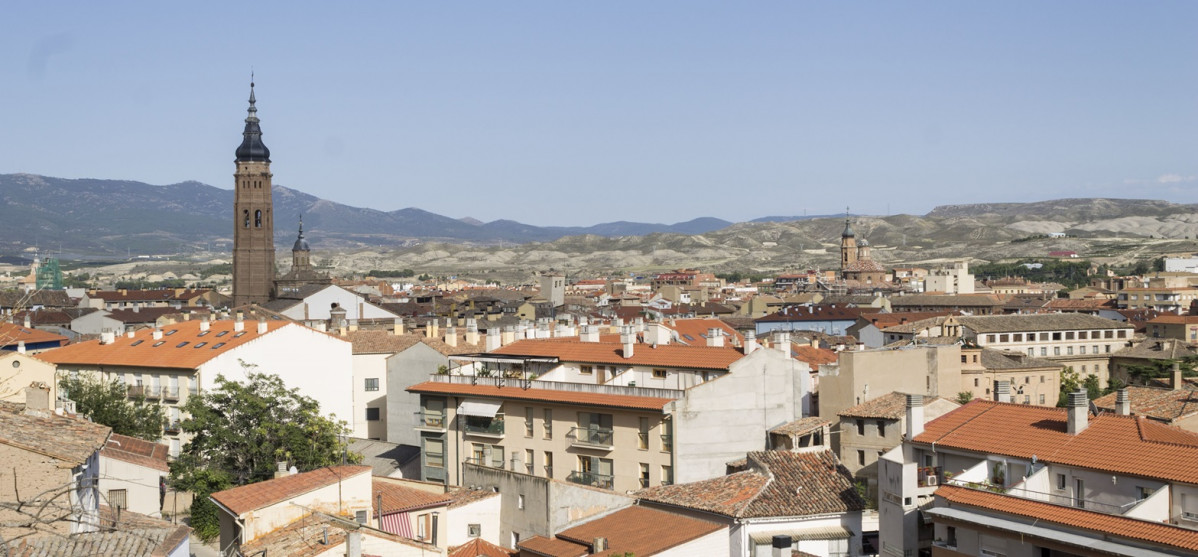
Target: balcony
(929,476)
(430,420)
(136,391)
(172,428)
(483,427)
(170,393)
(592,437)
(667,443)
(592,479)
(485,461)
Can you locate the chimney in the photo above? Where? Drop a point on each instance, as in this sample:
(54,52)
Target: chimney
(130,333)
(107,336)
(1178,381)
(37,399)
(590,333)
(782,341)
(353,543)
(751,342)
(657,334)
(1002,391)
(600,545)
(627,339)
(521,330)
(914,416)
(280,469)
(432,329)
(205,324)
(21,346)
(336,317)
(471,331)
(1079,412)
(1122,402)
(261,325)
(508,336)
(638,325)
(238,322)
(136,308)
(780,546)
(353,325)
(715,337)
(451,336)
(494,341)
(397,328)
(158,332)
(28,321)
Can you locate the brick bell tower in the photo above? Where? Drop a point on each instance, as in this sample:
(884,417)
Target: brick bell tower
(253,229)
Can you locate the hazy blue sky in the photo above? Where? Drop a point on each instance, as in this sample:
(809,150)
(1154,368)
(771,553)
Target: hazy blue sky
(584,112)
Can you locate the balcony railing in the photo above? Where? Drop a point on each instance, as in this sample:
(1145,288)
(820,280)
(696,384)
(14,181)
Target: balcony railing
(135,391)
(170,393)
(434,420)
(667,443)
(490,427)
(592,436)
(484,461)
(592,479)
(172,427)
(153,393)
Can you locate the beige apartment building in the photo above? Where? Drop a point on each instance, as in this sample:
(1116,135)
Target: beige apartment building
(657,418)
(871,428)
(1033,381)
(1083,342)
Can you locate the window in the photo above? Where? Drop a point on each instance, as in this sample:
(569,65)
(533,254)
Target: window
(1144,492)
(659,373)
(860,457)
(1041,399)
(644,474)
(474,530)
(1017,337)
(860,427)
(1056,350)
(520,502)
(117,498)
(1079,493)
(990,339)
(372,383)
(548,464)
(642,437)
(1069,335)
(585,370)
(964,358)
(1069,350)
(181,344)
(1043,350)
(258,218)
(881,428)
(529,457)
(1027,399)
(1081,350)
(1031,352)
(1041,378)
(975,381)
(1108,349)
(360,516)
(1004,338)
(372,414)
(667,475)
(528,423)
(246,214)
(434,452)
(1094,349)
(547,423)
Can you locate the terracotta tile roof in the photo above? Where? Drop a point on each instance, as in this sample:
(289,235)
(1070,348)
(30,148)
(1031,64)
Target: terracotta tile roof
(697,330)
(1166,405)
(137,451)
(17,299)
(1157,349)
(553,547)
(380,342)
(462,497)
(1111,443)
(1114,525)
(156,295)
(61,316)
(626,532)
(302,538)
(132,534)
(401,498)
(1038,322)
(1170,319)
(917,326)
(801,426)
(11,334)
(883,320)
(479,547)
(778,483)
(949,301)
(143,351)
(246,498)
(813,356)
(890,406)
(71,440)
(543,395)
(1001,360)
(669,355)
(1084,303)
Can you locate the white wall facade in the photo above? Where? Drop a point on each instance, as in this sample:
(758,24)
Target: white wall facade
(316,363)
(370,366)
(317,305)
(714,544)
(139,482)
(485,513)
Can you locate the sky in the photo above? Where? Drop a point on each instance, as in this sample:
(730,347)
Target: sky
(576,113)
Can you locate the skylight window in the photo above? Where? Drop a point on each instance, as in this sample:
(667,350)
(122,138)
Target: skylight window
(159,343)
(238,335)
(222,333)
(171,332)
(181,344)
(200,344)
(217,345)
(137,342)
(203,333)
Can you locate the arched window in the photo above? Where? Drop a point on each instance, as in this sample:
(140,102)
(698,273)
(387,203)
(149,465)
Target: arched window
(258,219)
(247,218)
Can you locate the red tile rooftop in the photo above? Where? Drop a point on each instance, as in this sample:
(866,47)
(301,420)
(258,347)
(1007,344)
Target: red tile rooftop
(254,496)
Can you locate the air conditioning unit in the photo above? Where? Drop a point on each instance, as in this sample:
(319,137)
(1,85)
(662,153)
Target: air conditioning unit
(931,480)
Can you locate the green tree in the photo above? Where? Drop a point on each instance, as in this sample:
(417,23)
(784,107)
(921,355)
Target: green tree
(1071,381)
(964,397)
(107,402)
(241,429)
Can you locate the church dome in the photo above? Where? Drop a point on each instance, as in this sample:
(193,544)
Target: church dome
(301,244)
(848,230)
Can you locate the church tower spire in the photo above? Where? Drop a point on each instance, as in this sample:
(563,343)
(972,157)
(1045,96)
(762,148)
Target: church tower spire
(253,229)
(848,243)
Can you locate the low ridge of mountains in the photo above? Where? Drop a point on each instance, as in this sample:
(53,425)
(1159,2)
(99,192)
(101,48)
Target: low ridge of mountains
(115,217)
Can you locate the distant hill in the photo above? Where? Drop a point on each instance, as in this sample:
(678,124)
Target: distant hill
(90,216)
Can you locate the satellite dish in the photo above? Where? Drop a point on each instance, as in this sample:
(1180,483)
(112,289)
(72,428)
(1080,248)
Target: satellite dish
(293,470)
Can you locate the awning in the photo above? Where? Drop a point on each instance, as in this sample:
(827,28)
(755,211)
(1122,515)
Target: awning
(399,524)
(480,408)
(817,533)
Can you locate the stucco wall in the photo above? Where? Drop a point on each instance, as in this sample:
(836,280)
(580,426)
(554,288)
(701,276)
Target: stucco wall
(405,369)
(139,482)
(373,366)
(485,513)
